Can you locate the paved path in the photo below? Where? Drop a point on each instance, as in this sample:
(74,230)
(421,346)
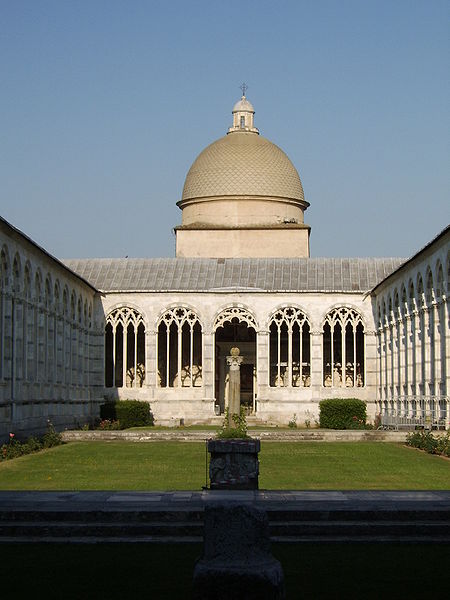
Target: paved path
(285,500)
(167,517)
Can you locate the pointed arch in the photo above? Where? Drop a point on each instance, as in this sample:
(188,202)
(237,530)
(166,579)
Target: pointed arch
(124,348)
(411,296)
(16,274)
(420,298)
(27,278)
(4,268)
(343,348)
(179,348)
(404,301)
(289,348)
(243,315)
(429,292)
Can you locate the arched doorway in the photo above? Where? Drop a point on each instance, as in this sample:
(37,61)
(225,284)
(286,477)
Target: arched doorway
(235,327)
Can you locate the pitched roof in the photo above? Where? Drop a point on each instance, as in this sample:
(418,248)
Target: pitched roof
(234,274)
(23,237)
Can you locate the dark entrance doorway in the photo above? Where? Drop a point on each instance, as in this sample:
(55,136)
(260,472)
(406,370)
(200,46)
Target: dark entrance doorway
(240,334)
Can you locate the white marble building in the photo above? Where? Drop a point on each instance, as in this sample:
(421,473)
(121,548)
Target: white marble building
(51,339)
(160,329)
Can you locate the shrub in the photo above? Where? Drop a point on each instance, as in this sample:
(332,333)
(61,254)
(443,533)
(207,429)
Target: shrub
(239,431)
(342,413)
(15,448)
(51,437)
(107,425)
(293,422)
(443,445)
(32,445)
(424,440)
(12,450)
(129,413)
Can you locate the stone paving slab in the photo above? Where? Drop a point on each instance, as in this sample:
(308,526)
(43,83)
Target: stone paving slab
(163,517)
(195,500)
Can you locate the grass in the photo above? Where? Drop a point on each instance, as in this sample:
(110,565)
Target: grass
(159,571)
(181,466)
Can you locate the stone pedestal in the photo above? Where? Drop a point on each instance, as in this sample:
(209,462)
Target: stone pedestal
(234,464)
(237,562)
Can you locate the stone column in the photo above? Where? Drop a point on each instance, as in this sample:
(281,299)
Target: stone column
(262,365)
(417,352)
(389,362)
(7,340)
(371,361)
(234,400)
(208,364)
(384,364)
(426,340)
(316,363)
(379,369)
(445,351)
(150,360)
(436,355)
(395,351)
(409,356)
(370,371)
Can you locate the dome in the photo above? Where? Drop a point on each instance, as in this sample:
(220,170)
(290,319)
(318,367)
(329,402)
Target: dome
(243,105)
(243,164)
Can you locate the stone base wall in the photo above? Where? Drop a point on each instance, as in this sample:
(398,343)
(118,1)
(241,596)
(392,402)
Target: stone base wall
(29,418)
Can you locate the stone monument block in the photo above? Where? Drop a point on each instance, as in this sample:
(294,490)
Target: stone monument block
(234,464)
(237,562)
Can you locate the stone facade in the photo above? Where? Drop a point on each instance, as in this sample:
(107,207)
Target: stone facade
(51,340)
(277,403)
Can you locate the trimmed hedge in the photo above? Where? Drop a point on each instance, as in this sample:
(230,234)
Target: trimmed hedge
(129,413)
(342,413)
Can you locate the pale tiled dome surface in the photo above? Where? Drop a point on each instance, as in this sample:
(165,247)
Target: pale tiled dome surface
(242,164)
(243,104)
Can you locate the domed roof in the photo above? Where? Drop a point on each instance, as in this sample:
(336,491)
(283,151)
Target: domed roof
(242,164)
(243,105)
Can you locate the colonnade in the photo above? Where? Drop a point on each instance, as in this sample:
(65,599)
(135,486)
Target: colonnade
(282,354)
(413,348)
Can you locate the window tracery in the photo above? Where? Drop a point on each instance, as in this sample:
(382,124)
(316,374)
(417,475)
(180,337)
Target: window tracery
(242,314)
(289,348)
(124,348)
(179,349)
(343,349)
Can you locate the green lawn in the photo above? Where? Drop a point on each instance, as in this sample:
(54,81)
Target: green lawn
(164,571)
(181,466)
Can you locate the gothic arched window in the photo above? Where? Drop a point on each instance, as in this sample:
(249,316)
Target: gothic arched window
(179,349)
(124,348)
(343,349)
(290,349)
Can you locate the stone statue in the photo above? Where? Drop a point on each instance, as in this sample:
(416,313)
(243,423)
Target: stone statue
(234,361)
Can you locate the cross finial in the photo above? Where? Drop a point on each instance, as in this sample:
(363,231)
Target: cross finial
(244,88)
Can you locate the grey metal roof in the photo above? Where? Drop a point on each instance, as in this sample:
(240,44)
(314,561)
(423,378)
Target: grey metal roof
(234,274)
(24,237)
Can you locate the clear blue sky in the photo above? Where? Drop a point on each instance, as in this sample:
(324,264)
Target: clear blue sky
(104,105)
